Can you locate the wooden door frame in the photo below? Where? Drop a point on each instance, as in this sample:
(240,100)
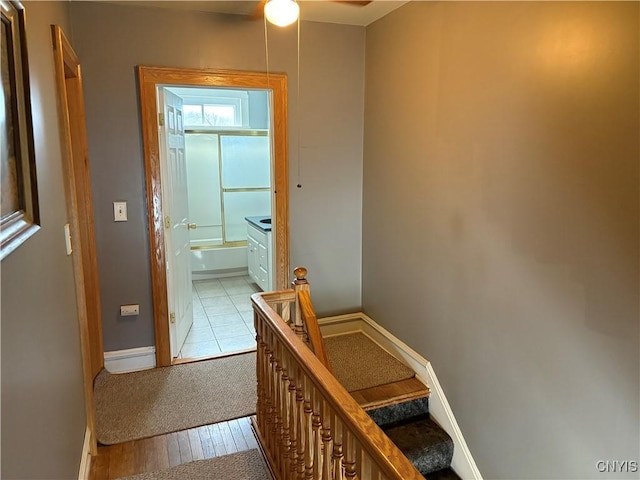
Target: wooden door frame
(149,78)
(75,160)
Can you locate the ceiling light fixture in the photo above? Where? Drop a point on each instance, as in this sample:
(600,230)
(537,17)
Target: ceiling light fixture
(281,12)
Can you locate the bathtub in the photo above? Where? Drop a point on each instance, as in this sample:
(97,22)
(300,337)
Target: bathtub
(212,262)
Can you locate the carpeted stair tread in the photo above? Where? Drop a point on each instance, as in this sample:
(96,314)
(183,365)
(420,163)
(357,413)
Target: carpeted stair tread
(446,474)
(359,363)
(400,413)
(424,443)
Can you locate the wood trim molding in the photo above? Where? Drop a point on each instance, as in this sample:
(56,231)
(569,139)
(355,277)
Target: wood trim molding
(149,78)
(85,459)
(75,160)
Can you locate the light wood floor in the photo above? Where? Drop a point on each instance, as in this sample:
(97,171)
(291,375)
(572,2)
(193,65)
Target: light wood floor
(165,451)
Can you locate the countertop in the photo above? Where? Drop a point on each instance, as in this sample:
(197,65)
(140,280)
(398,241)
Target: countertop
(256,222)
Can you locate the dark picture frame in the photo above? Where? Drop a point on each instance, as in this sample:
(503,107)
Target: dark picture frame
(19,212)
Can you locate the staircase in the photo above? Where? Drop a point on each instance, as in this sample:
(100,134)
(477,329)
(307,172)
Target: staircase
(400,408)
(339,407)
(422,440)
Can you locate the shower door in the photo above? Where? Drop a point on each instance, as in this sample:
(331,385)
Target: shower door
(229,178)
(245,178)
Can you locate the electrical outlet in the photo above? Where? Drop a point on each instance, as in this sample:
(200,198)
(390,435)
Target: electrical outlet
(129,310)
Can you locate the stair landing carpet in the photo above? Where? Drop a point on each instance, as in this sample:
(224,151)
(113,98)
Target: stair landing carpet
(130,406)
(359,363)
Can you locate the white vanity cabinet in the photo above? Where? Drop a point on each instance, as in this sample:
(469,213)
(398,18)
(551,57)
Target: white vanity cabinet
(259,258)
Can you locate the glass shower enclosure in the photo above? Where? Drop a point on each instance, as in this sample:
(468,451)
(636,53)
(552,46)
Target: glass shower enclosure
(229,178)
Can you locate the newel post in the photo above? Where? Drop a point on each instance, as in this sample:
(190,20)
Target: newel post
(299,284)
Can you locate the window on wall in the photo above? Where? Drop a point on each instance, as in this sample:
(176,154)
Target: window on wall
(227,113)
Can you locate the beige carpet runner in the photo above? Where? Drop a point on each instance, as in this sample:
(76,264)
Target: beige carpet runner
(143,404)
(247,465)
(360,363)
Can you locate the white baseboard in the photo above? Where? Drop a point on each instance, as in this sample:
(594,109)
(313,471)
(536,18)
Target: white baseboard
(85,461)
(463,463)
(131,360)
(440,410)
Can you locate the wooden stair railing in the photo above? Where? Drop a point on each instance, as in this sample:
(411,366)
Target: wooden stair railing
(309,426)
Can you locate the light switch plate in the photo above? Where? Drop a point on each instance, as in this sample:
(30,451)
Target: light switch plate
(119,211)
(67,238)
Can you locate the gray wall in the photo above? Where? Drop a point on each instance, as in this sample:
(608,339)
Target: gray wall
(325,215)
(43,413)
(500,221)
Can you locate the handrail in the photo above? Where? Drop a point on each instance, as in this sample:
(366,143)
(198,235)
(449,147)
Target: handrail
(311,428)
(313,329)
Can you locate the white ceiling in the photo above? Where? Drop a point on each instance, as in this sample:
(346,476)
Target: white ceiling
(328,11)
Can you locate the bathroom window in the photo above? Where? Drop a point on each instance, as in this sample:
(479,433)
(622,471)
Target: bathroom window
(227,114)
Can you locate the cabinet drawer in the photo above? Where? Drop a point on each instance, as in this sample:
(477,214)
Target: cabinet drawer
(258,235)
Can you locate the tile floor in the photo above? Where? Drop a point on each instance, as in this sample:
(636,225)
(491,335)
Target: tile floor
(222,317)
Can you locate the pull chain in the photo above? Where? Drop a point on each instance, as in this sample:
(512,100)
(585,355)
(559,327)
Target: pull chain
(266,50)
(298,107)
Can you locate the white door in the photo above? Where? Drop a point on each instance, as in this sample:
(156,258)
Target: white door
(175,206)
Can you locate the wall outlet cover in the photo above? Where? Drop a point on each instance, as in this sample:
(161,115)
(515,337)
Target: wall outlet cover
(129,310)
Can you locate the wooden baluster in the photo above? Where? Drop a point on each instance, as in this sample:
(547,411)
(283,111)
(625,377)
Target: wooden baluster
(338,454)
(376,474)
(362,463)
(370,468)
(308,437)
(286,423)
(327,441)
(265,377)
(264,356)
(277,423)
(349,460)
(316,421)
(300,283)
(270,397)
(293,415)
(301,426)
(259,348)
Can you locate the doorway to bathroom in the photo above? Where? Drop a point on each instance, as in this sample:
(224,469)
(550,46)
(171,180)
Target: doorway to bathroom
(215,154)
(228,167)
